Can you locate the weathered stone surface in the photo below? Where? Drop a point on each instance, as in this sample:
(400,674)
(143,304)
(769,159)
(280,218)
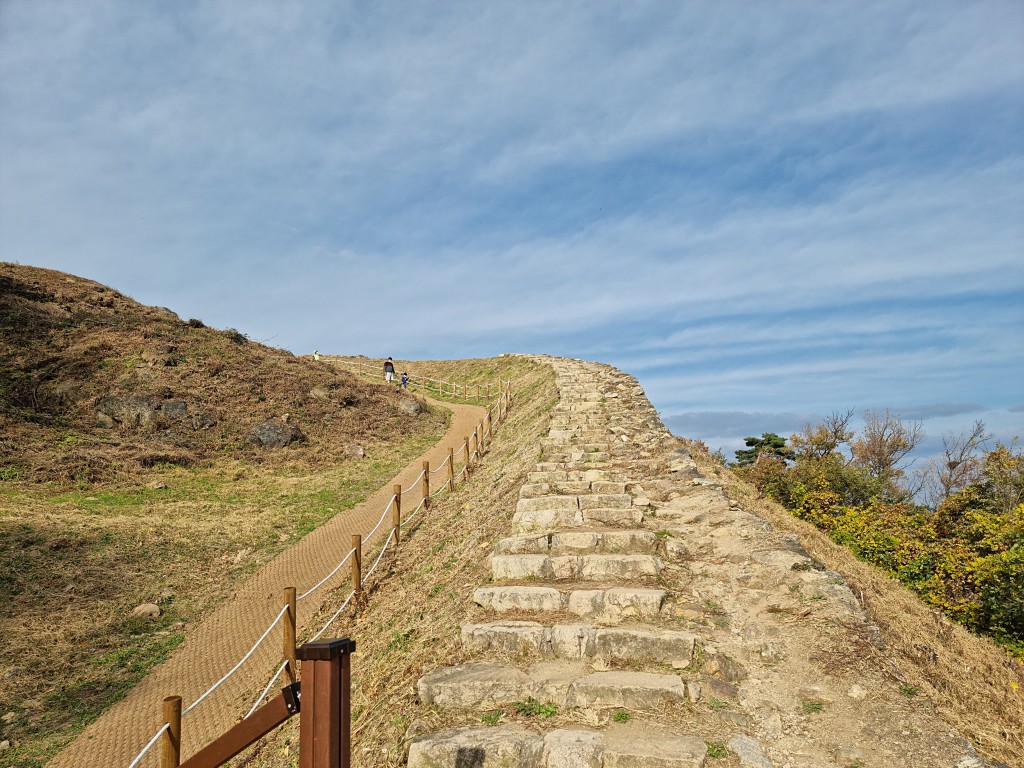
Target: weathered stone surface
(547,519)
(147,610)
(475,684)
(410,406)
(519,598)
(846,757)
(510,636)
(355,451)
(627,690)
(616,603)
(572,749)
(547,502)
(512,567)
(606,501)
(620,518)
(749,752)
(666,752)
(277,433)
(598,567)
(522,545)
(658,645)
(501,747)
(131,411)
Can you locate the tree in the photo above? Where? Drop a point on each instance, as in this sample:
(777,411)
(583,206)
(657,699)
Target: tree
(883,443)
(958,467)
(824,439)
(768,444)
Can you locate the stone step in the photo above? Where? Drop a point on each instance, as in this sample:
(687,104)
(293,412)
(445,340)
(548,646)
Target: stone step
(585,567)
(610,604)
(629,542)
(482,685)
(559,476)
(570,641)
(511,746)
(553,520)
(690,507)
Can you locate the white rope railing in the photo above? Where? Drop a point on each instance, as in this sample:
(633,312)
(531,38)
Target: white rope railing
(325,579)
(149,746)
(235,668)
(267,689)
(330,621)
(413,514)
(382,519)
(383,551)
(414,482)
(487,431)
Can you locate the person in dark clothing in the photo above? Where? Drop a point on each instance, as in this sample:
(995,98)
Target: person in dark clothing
(389,370)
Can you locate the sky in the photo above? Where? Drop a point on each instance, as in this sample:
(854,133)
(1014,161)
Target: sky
(765,211)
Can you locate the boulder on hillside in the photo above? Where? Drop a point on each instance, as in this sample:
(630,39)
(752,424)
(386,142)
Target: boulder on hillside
(277,433)
(410,406)
(129,411)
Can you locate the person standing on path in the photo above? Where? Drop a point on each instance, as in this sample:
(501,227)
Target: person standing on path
(405,380)
(389,370)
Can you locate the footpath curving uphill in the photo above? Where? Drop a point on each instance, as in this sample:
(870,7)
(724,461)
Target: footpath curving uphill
(223,638)
(647,621)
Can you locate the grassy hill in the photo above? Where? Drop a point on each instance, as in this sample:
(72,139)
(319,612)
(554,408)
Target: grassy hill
(129,473)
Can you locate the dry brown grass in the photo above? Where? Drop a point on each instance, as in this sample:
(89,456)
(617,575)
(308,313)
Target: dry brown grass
(410,623)
(972,683)
(94,521)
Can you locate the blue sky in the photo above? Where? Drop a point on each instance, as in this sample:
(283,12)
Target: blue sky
(764,211)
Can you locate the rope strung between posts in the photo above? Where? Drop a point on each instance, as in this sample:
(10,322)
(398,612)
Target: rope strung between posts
(414,512)
(267,689)
(485,432)
(149,746)
(235,668)
(325,579)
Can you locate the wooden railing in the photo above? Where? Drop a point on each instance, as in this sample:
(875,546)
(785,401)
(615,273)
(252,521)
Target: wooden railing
(322,699)
(262,719)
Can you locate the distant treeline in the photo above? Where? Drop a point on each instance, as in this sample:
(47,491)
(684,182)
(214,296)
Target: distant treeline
(952,531)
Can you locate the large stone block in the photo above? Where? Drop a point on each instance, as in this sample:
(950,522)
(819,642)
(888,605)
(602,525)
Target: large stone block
(626,690)
(475,685)
(519,598)
(515,567)
(599,567)
(627,751)
(501,747)
(547,502)
(572,749)
(606,501)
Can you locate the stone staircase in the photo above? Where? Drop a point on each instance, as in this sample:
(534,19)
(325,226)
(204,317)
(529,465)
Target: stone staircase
(657,625)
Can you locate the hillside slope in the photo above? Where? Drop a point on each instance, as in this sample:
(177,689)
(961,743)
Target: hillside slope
(131,474)
(94,385)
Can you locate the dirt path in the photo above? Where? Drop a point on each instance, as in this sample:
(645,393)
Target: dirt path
(223,638)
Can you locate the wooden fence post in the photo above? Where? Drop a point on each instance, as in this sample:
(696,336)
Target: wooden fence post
(469,470)
(488,393)
(483,436)
(289,632)
(357,564)
(325,719)
(451,470)
(425,485)
(396,514)
(170,756)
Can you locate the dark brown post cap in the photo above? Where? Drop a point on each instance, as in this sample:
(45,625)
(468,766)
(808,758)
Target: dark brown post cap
(325,650)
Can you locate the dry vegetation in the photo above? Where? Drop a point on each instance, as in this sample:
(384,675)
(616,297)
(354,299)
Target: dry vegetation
(95,520)
(410,623)
(972,682)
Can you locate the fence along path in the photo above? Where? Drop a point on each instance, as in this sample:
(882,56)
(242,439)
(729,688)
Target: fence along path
(234,651)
